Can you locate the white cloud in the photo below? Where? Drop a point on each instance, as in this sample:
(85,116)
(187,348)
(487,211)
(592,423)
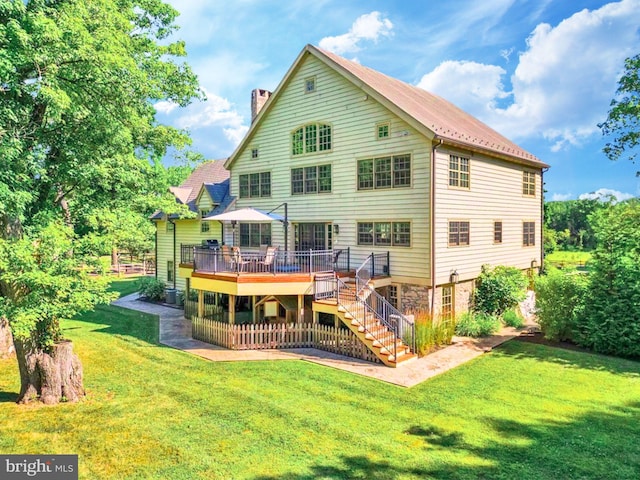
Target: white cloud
(235,135)
(369,26)
(560,197)
(165,106)
(563,83)
(604,194)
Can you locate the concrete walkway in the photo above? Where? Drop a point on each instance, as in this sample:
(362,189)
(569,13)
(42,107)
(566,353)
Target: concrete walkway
(175,331)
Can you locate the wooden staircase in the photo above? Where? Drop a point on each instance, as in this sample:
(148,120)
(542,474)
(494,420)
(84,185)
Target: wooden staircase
(350,307)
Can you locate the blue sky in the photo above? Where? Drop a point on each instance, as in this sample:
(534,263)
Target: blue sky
(540,72)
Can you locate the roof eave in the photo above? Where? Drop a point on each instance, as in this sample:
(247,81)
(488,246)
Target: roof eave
(492,153)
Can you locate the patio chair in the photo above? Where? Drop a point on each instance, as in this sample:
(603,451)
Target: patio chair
(269,259)
(263,251)
(237,259)
(227,257)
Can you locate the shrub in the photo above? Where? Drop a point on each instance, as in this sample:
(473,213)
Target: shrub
(511,319)
(431,332)
(151,288)
(610,320)
(559,298)
(476,324)
(499,289)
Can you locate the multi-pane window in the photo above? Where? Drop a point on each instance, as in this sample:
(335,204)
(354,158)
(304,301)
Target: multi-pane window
(458,171)
(315,137)
(384,172)
(382,130)
(255,185)
(497,231)
(397,234)
(310,85)
(529,183)
(447,302)
(458,233)
(392,296)
(170,271)
(204,226)
(316,179)
(254,153)
(170,226)
(528,234)
(255,234)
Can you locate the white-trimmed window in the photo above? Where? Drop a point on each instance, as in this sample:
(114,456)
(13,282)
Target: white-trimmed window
(204,225)
(393,296)
(497,231)
(170,271)
(528,234)
(312,138)
(310,85)
(316,179)
(397,234)
(255,153)
(383,130)
(384,172)
(255,185)
(458,233)
(446,311)
(170,226)
(255,234)
(529,184)
(459,172)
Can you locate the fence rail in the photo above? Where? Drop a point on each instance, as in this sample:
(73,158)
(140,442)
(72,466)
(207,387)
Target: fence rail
(271,336)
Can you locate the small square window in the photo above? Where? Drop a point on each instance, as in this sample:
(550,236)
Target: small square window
(254,153)
(382,130)
(310,85)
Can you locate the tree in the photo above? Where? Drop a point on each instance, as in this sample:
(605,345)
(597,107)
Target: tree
(623,119)
(77,131)
(610,322)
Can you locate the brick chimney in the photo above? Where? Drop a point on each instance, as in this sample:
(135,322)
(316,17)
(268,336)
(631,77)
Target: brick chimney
(259,97)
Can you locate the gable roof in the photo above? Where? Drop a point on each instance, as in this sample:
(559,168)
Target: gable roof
(428,113)
(210,176)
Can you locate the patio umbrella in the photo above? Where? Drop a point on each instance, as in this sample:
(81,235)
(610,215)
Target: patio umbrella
(252,215)
(246,215)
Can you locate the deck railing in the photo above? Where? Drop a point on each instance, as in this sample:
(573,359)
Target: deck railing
(209,260)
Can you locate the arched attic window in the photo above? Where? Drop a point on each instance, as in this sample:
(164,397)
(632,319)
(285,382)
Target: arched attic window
(311,138)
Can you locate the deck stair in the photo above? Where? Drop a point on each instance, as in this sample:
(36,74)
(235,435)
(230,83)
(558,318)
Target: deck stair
(369,316)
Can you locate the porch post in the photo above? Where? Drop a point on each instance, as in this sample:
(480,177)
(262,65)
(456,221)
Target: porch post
(253,309)
(232,309)
(200,303)
(300,308)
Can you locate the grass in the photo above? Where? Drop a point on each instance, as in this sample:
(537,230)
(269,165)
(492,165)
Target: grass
(522,411)
(567,259)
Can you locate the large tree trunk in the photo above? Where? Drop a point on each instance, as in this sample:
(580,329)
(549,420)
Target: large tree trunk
(49,377)
(6,339)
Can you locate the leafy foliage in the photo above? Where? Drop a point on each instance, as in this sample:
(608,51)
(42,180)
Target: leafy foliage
(511,319)
(43,281)
(477,324)
(78,134)
(559,303)
(499,289)
(623,119)
(151,288)
(610,322)
(567,226)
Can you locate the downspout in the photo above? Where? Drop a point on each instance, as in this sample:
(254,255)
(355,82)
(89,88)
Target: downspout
(432,225)
(542,218)
(174,252)
(156,249)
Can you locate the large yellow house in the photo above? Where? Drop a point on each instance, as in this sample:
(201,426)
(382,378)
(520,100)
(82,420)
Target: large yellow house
(390,200)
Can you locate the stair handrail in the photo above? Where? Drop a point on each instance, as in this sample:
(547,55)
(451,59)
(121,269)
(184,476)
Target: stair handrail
(361,315)
(390,316)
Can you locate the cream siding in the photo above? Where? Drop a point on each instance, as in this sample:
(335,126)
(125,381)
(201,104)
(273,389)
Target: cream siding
(353,118)
(495,193)
(188,233)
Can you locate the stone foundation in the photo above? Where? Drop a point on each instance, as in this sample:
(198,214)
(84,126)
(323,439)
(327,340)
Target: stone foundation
(415,298)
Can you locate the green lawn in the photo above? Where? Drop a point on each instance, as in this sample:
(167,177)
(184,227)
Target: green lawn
(568,259)
(521,412)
